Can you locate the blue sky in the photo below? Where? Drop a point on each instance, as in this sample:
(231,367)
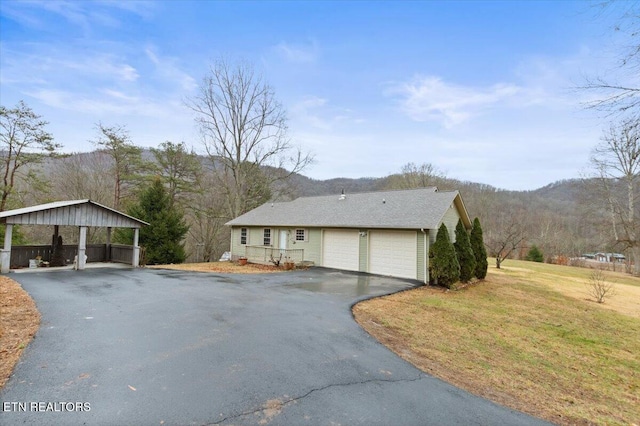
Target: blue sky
(482,90)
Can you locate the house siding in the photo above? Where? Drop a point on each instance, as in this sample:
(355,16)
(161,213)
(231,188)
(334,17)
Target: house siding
(311,247)
(450,219)
(237,249)
(255,237)
(422,256)
(363,262)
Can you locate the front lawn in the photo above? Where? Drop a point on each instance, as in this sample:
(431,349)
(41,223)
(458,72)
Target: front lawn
(527,337)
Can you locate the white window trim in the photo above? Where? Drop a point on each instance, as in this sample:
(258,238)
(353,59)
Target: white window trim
(246,237)
(305,232)
(270,237)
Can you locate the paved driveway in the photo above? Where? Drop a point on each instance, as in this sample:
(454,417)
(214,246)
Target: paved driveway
(153,347)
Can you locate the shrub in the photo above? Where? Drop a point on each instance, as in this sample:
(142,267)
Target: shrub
(443,266)
(479,250)
(534,255)
(464,253)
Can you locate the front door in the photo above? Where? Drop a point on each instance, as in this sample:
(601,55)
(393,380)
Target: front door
(282,240)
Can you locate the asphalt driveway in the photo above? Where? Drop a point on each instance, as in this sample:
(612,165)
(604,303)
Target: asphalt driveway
(154,347)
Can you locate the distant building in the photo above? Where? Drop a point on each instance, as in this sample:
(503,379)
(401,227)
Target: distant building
(605,257)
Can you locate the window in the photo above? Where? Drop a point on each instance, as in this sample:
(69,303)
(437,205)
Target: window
(301,235)
(267,237)
(243,236)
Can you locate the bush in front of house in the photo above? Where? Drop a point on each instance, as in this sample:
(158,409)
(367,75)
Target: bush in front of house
(479,250)
(464,253)
(444,268)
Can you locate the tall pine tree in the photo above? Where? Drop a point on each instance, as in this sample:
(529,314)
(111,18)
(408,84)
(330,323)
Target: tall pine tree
(443,263)
(479,250)
(464,253)
(163,238)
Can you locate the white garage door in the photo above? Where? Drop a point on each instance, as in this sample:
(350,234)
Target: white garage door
(393,253)
(340,249)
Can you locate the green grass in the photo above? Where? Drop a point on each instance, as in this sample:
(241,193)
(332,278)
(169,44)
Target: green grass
(522,339)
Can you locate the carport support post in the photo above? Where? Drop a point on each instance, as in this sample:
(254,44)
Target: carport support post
(107,255)
(82,247)
(6,252)
(135,262)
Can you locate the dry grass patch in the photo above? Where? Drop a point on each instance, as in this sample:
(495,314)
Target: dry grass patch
(572,281)
(221,267)
(517,340)
(19,321)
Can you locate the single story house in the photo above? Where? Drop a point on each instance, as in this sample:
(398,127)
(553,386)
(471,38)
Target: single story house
(385,233)
(609,257)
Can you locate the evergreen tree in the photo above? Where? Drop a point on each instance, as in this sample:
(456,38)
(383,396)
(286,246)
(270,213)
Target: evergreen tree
(479,250)
(464,253)
(162,239)
(534,255)
(443,264)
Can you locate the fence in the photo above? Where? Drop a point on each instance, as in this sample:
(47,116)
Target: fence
(20,255)
(264,254)
(121,253)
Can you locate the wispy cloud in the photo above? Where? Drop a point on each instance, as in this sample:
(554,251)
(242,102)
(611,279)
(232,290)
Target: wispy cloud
(169,69)
(77,13)
(51,65)
(298,52)
(429,98)
(319,114)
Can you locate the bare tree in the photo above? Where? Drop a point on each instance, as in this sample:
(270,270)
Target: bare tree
(619,91)
(83,175)
(244,132)
(616,161)
(598,287)
(127,158)
(506,236)
(23,141)
(416,176)
(206,213)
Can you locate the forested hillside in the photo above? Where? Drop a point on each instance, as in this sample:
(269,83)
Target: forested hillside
(557,218)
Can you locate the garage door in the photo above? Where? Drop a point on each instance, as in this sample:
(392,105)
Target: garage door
(340,249)
(393,253)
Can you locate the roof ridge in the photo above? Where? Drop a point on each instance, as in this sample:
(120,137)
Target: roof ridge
(370,192)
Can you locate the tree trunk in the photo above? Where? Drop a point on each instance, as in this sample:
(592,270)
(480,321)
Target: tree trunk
(498,262)
(635,254)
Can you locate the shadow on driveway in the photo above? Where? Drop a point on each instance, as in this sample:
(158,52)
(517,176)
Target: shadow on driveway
(151,347)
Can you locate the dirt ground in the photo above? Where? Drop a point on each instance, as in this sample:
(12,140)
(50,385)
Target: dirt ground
(222,267)
(19,321)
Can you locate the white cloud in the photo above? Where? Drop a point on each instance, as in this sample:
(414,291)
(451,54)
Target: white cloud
(429,98)
(298,53)
(78,13)
(169,70)
(320,115)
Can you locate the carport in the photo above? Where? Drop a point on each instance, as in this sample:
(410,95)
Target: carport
(80,213)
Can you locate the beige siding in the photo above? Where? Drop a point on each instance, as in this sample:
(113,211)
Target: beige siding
(255,237)
(364,253)
(422,256)
(450,219)
(312,247)
(237,249)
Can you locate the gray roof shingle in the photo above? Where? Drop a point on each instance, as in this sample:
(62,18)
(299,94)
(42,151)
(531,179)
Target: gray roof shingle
(403,209)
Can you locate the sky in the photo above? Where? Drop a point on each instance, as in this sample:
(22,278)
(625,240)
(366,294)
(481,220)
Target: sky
(484,91)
